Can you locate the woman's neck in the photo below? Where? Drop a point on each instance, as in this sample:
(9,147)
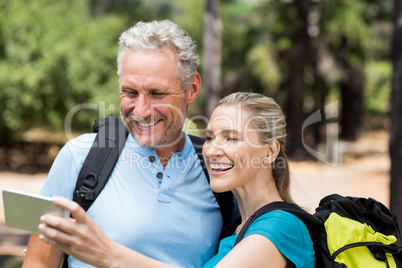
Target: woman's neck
(250,201)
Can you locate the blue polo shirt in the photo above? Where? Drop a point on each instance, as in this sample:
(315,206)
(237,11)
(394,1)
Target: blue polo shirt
(168,214)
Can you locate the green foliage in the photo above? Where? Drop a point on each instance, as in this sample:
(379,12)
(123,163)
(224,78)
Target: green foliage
(249,58)
(54,56)
(8,261)
(187,14)
(378,87)
(344,28)
(264,65)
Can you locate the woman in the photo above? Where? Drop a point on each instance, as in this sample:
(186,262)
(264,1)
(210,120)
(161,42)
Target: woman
(244,152)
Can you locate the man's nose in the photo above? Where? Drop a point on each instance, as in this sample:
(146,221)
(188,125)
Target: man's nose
(143,107)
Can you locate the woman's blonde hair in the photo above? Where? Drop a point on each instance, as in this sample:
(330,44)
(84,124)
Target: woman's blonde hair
(268,118)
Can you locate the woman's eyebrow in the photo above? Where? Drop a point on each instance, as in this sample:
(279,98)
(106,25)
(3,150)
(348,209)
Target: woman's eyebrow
(224,131)
(229,131)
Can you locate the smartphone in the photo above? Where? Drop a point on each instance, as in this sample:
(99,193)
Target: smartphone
(23,210)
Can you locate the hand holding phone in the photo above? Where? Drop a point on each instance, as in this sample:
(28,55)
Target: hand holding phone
(23,210)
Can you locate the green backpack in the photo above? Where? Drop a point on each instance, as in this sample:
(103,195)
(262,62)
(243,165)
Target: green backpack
(346,232)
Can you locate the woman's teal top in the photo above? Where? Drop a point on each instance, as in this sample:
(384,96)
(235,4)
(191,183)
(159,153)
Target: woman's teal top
(288,233)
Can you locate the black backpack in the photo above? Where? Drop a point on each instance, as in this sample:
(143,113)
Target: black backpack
(346,232)
(102,157)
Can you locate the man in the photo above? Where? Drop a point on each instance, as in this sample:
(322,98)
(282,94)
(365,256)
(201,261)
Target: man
(157,200)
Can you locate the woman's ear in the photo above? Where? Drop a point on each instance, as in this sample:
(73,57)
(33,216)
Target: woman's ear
(273,149)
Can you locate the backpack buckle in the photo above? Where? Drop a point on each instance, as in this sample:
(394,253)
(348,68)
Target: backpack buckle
(378,253)
(84,193)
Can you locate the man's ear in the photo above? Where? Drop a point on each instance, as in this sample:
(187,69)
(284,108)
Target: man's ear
(194,88)
(273,149)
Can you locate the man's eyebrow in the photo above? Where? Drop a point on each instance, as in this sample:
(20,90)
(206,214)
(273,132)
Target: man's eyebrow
(127,88)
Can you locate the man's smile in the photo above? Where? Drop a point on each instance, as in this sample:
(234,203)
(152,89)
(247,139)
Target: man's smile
(147,124)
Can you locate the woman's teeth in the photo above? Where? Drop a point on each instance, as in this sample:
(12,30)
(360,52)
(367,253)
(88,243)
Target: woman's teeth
(221,167)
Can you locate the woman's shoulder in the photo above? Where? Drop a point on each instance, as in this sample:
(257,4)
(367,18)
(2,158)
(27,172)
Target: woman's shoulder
(281,217)
(289,234)
(279,220)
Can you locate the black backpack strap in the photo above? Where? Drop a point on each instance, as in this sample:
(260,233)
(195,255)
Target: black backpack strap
(225,199)
(101,159)
(307,218)
(99,163)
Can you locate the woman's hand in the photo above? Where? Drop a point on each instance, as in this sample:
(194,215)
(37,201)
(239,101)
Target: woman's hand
(78,236)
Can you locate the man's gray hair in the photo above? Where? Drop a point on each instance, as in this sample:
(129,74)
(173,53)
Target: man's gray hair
(158,35)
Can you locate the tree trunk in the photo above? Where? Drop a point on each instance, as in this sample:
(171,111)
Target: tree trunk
(297,64)
(352,99)
(212,55)
(395,143)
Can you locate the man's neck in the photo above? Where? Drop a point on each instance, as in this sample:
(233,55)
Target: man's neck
(165,153)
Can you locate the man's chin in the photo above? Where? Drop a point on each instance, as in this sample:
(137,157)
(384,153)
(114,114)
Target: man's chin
(155,141)
(146,141)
